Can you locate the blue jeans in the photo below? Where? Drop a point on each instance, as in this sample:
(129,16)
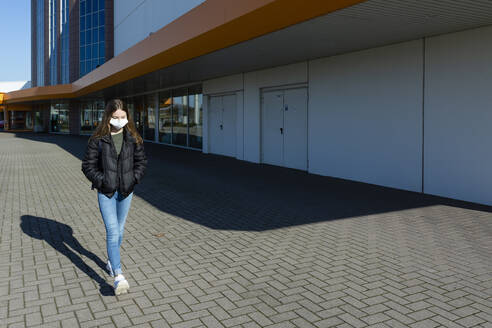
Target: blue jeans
(114,211)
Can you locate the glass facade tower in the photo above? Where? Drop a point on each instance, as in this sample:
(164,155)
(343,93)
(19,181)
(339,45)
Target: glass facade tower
(40,42)
(64,38)
(53,41)
(92,35)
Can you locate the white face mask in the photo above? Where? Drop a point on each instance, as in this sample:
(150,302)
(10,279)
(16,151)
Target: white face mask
(118,123)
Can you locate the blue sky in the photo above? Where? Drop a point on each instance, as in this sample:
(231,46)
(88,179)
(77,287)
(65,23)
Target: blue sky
(15,33)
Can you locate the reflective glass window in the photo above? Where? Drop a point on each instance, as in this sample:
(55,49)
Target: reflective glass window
(88,37)
(95,35)
(101,34)
(180,117)
(59,117)
(165,104)
(88,21)
(101,50)
(150,103)
(95,51)
(101,18)
(95,16)
(195,122)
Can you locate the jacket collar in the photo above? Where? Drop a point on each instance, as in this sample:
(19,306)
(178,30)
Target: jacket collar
(127,137)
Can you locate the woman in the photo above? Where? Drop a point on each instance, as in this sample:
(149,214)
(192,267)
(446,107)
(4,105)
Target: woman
(114,162)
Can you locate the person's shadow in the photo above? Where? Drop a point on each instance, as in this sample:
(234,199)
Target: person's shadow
(59,235)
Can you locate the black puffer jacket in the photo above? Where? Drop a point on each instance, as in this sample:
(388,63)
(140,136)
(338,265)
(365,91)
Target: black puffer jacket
(109,172)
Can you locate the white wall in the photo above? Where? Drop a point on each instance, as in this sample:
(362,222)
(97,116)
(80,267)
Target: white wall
(367,111)
(253,81)
(458,116)
(223,85)
(135,19)
(365,116)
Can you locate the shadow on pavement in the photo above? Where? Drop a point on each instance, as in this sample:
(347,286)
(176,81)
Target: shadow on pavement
(224,193)
(59,236)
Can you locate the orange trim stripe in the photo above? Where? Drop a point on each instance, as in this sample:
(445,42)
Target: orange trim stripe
(211,26)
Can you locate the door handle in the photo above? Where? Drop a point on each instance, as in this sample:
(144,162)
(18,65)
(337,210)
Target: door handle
(281,130)
(221,126)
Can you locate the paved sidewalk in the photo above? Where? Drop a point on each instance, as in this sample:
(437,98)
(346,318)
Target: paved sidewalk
(215,242)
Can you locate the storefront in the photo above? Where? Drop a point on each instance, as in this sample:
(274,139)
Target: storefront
(91,113)
(172,117)
(59,117)
(17,118)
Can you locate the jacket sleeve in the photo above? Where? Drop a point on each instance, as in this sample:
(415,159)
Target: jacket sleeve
(139,162)
(89,164)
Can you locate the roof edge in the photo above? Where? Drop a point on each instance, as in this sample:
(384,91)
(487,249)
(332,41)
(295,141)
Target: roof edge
(221,23)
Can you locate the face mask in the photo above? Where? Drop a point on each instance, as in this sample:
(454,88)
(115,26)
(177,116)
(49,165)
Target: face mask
(118,123)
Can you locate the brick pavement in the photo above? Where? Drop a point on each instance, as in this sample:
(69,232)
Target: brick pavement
(243,245)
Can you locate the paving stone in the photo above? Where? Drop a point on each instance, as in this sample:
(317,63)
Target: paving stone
(241,246)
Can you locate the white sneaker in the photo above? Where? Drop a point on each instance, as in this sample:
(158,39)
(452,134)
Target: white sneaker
(110,269)
(121,285)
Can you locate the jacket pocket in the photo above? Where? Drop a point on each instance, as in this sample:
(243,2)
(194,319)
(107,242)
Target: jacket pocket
(106,185)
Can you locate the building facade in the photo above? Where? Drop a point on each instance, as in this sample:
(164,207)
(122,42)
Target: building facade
(387,93)
(69,38)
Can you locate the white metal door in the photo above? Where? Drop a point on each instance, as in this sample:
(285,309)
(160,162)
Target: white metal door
(272,127)
(222,125)
(295,128)
(284,128)
(214,125)
(229,125)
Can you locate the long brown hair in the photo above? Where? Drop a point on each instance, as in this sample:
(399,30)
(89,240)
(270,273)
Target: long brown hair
(104,128)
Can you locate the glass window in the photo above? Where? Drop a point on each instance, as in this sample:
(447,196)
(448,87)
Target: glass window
(101,61)
(150,100)
(88,54)
(101,18)
(165,103)
(88,6)
(29,120)
(95,35)
(88,21)
(180,117)
(101,34)
(102,50)
(82,8)
(86,117)
(101,4)
(139,114)
(94,19)
(38,121)
(82,23)
(59,115)
(98,112)
(95,50)
(195,123)
(131,108)
(88,37)
(17,119)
